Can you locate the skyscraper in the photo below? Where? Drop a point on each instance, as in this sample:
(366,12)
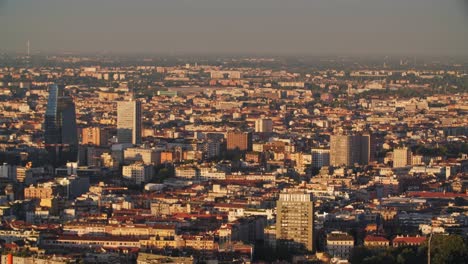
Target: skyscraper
(129,122)
(295,220)
(347,150)
(60,131)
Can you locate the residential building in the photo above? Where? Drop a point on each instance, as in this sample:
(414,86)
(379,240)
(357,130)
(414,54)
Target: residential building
(138,173)
(348,150)
(401,157)
(295,220)
(239,141)
(340,244)
(263,125)
(96,136)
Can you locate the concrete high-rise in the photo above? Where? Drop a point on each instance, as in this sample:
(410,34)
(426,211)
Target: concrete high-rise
(60,130)
(129,122)
(401,157)
(295,220)
(239,141)
(263,125)
(348,150)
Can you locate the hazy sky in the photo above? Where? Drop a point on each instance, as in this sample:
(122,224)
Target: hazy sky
(236,26)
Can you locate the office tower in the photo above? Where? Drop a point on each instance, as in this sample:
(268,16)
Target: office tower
(239,141)
(401,157)
(60,131)
(320,158)
(295,220)
(263,125)
(94,136)
(347,150)
(129,122)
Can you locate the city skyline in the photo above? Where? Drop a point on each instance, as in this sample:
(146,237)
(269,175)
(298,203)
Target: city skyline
(247,131)
(237,160)
(431,27)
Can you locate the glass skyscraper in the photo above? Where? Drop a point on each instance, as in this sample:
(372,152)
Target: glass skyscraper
(60,130)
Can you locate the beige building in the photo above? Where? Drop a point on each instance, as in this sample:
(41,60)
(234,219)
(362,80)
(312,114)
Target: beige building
(401,157)
(376,241)
(347,150)
(340,244)
(129,122)
(94,135)
(45,191)
(295,220)
(145,155)
(138,173)
(144,258)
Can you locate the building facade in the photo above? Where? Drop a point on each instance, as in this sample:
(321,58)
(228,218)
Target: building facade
(60,130)
(295,220)
(239,141)
(401,157)
(138,173)
(320,158)
(263,125)
(129,122)
(340,244)
(348,150)
(94,136)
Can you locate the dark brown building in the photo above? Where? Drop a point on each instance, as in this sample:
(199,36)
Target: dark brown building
(239,141)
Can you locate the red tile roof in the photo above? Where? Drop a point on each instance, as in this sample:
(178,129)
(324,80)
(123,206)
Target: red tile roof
(375,239)
(437,194)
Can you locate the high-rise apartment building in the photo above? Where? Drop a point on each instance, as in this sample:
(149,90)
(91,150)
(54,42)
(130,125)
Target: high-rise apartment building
(94,136)
(401,157)
(263,125)
(60,130)
(239,141)
(347,150)
(295,220)
(129,122)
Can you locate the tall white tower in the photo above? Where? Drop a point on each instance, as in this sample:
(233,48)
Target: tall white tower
(129,122)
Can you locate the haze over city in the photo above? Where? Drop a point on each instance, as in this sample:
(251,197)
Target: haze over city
(428,27)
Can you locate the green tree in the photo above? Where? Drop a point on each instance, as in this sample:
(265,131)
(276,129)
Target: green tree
(448,249)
